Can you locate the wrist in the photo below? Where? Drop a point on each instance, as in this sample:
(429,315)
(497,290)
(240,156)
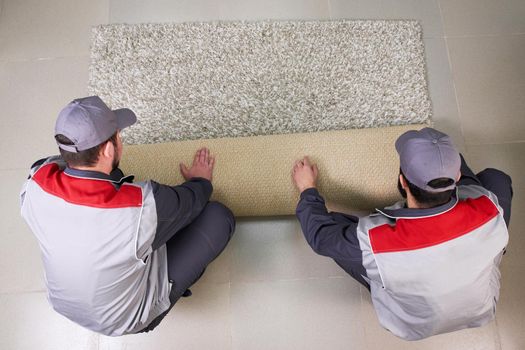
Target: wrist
(199,177)
(304,188)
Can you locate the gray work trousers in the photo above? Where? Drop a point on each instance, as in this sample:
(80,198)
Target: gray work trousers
(193,248)
(494,180)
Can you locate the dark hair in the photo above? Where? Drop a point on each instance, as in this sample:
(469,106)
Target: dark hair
(88,157)
(426,198)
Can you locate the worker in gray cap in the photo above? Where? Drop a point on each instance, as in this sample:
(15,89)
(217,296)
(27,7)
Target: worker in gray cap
(118,255)
(431,261)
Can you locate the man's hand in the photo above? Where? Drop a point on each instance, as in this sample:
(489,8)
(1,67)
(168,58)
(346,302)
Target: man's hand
(304,174)
(202,165)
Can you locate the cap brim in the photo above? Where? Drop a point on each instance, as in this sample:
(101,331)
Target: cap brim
(401,140)
(125,117)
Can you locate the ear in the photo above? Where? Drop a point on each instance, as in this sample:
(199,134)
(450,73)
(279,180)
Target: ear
(108,150)
(458,177)
(403,182)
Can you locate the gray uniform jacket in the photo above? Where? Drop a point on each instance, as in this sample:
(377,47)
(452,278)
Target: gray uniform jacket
(102,240)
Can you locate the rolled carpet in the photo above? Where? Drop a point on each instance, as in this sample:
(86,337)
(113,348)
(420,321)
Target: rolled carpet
(358,168)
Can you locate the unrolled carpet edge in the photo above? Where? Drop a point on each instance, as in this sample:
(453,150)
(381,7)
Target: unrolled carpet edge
(358,168)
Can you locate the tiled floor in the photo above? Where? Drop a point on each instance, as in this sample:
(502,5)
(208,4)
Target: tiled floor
(268,290)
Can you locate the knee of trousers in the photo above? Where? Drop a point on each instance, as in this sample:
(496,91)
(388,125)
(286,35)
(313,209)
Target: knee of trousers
(222,217)
(496,175)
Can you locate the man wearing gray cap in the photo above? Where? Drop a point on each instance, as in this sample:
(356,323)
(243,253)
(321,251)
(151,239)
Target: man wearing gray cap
(431,262)
(117,255)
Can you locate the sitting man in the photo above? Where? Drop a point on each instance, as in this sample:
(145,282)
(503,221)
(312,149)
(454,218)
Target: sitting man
(118,255)
(431,262)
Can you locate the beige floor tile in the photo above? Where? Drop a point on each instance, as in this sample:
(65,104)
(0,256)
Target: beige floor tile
(20,264)
(426,11)
(135,11)
(201,321)
(490,79)
(275,249)
(511,307)
(508,157)
(32,94)
(43,29)
(29,323)
(275,9)
(441,89)
(485,17)
(484,338)
(302,314)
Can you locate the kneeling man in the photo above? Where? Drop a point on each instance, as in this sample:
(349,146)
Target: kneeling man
(118,255)
(431,262)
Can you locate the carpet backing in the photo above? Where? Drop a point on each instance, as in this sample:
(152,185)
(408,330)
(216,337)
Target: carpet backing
(358,168)
(232,79)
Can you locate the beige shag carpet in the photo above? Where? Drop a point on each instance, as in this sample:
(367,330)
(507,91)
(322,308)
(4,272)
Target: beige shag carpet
(231,79)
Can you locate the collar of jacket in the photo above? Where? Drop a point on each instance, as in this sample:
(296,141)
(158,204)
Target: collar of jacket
(116,177)
(400,211)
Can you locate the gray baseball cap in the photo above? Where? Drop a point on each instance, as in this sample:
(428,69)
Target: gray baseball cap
(426,155)
(88,122)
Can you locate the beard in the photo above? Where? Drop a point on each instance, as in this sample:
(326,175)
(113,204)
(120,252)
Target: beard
(115,162)
(401,189)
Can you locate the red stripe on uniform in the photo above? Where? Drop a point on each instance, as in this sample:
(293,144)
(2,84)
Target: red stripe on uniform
(88,192)
(410,234)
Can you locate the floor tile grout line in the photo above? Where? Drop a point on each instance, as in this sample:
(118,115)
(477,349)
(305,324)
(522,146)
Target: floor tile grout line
(461,127)
(108,18)
(427,78)
(16,169)
(288,280)
(471,36)
(230,319)
(109,21)
(88,54)
(41,59)
(361,307)
(495,143)
(230,310)
(466,143)
(498,336)
(20,292)
(1,9)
